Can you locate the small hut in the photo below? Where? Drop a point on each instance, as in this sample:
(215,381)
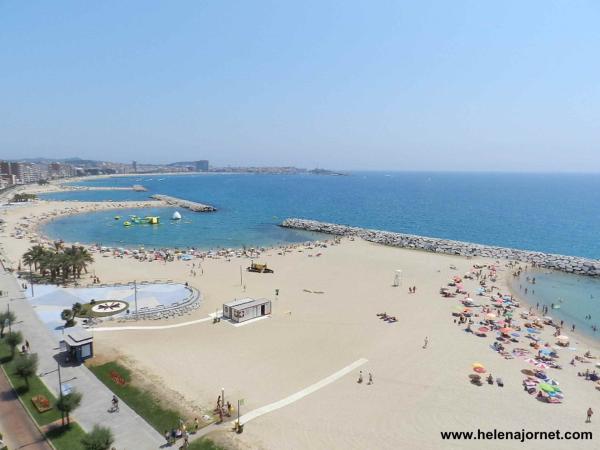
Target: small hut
(79,344)
(246,308)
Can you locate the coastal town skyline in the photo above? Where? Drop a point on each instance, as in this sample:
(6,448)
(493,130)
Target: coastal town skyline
(459,86)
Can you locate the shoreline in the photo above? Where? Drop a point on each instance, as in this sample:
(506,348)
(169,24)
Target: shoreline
(578,336)
(326,312)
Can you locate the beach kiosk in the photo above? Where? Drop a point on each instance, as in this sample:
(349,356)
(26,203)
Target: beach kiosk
(79,344)
(246,309)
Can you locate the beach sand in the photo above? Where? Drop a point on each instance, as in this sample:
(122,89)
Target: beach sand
(417,393)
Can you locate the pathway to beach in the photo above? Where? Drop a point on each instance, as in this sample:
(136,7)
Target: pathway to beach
(130,430)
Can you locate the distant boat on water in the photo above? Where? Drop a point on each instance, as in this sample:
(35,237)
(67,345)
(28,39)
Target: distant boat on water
(176,216)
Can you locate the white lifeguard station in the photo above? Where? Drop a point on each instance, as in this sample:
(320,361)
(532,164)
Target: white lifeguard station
(397,278)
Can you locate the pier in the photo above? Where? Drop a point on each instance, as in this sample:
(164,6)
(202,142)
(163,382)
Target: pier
(192,206)
(135,187)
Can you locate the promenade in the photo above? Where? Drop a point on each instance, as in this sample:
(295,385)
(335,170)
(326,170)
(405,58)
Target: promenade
(17,426)
(130,430)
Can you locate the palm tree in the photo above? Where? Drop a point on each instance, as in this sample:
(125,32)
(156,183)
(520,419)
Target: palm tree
(6,318)
(67,315)
(26,366)
(68,403)
(100,438)
(13,339)
(79,259)
(34,255)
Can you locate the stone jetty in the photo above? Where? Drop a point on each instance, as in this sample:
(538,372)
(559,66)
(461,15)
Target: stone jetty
(192,206)
(570,264)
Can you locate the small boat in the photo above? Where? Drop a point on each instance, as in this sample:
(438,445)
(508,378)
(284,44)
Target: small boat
(127,223)
(117,217)
(176,216)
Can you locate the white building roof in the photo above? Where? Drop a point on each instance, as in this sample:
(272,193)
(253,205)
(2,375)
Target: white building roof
(76,337)
(247,302)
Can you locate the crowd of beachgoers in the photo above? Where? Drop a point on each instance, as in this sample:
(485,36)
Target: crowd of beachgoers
(28,226)
(516,331)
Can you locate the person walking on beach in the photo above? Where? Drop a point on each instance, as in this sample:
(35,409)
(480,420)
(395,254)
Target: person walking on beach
(27,346)
(370,378)
(360,377)
(115,403)
(426,342)
(589,415)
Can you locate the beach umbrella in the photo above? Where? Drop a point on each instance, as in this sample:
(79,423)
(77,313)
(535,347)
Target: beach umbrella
(479,369)
(477,364)
(490,316)
(505,330)
(563,338)
(528,372)
(484,329)
(515,334)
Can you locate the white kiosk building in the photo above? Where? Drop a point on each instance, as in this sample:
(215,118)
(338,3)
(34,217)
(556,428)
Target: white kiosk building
(246,308)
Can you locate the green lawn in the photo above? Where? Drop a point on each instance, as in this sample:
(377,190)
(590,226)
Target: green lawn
(35,387)
(86,310)
(204,444)
(145,403)
(68,438)
(142,402)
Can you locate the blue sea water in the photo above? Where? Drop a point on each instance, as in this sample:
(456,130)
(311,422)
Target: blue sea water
(574,297)
(544,212)
(558,213)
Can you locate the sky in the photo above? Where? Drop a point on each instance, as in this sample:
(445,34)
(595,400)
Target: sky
(428,85)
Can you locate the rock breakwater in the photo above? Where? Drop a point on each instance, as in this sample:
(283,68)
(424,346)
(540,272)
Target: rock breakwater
(192,206)
(570,264)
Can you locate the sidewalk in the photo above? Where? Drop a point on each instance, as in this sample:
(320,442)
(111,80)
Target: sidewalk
(130,430)
(18,428)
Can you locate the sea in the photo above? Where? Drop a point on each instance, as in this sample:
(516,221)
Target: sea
(545,212)
(556,213)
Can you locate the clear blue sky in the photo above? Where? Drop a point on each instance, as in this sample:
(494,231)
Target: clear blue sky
(478,85)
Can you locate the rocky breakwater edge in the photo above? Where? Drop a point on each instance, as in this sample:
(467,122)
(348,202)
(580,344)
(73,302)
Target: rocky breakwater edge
(563,263)
(192,206)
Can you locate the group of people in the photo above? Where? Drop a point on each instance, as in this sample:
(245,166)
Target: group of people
(384,316)
(181,432)
(223,409)
(360,378)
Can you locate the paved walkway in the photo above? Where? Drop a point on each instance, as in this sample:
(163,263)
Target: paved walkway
(19,430)
(281,403)
(130,430)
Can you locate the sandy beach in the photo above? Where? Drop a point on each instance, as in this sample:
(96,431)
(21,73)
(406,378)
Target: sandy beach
(325,320)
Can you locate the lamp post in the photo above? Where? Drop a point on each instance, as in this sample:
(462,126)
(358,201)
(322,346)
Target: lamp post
(60,394)
(135,298)
(8,318)
(31,279)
